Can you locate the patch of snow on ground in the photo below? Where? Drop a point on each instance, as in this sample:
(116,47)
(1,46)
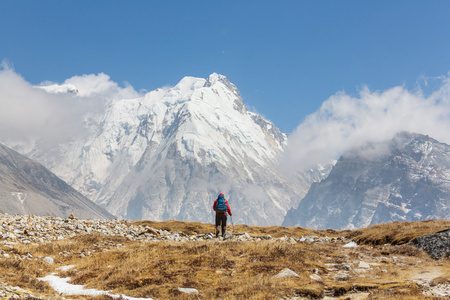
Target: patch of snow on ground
(62,286)
(350,245)
(65,268)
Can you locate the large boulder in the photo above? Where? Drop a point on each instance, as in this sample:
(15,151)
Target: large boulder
(437,245)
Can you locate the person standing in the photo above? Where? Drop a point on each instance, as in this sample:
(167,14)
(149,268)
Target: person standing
(221,208)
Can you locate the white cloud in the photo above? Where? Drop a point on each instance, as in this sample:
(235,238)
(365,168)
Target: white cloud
(344,122)
(101,85)
(50,114)
(92,86)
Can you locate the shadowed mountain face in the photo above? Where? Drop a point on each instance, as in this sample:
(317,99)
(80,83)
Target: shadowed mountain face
(407,178)
(26,187)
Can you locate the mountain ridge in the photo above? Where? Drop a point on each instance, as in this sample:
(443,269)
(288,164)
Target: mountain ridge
(27,187)
(406,178)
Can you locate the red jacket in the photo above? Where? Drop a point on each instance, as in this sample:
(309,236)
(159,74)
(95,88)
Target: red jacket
(228,206)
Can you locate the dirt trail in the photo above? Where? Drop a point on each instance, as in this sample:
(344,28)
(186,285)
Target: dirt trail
(433,280)
(427,273)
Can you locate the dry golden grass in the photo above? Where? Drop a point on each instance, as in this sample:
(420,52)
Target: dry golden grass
(217,269)
(396,233)
(231,269)
(194,228)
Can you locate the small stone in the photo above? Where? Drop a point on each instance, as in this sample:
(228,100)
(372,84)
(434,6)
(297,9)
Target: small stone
(48,260)
(363,265)
(316,277)
(188,290)
(245,235)
(227,236)
(286,273)
(359,271)
(341,277)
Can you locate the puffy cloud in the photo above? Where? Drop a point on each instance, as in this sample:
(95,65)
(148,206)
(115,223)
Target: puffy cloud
(92,85)
(344,122)
(47,112)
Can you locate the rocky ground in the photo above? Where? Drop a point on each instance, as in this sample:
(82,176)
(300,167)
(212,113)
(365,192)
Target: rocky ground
(19,229)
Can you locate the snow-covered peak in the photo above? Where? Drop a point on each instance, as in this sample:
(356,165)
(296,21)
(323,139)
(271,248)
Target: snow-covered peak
(214,78)
(208,115)
(188,84)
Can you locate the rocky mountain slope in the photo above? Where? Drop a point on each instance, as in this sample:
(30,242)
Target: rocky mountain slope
(168,154)
(406,178)
(27,187)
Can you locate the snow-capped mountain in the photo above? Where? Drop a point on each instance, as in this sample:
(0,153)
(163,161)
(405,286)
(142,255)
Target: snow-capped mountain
(169,153)
(27,187)
(407,178)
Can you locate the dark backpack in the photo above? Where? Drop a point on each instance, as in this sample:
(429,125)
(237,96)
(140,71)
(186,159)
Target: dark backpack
(221,205)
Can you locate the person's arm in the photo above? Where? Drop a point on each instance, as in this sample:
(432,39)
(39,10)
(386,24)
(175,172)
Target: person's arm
(214,205)
(228,208)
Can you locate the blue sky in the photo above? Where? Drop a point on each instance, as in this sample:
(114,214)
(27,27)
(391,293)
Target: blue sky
(286,57)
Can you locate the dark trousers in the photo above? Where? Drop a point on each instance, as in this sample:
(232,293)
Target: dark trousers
(221,219)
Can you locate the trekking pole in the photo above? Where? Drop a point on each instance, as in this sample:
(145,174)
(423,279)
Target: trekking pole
(214,223)
(232,222)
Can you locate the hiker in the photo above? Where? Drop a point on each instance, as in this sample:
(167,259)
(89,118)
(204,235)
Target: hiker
(221,208)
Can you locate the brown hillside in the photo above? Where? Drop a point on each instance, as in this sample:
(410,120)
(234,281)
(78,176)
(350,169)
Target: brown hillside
(234,269)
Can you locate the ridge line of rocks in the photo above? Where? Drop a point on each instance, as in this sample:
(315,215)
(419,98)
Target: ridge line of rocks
(36,229)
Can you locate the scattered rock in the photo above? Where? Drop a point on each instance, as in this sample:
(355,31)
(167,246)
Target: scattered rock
(227,236)
(344,276)
(340,266)
(363,265)
(245,237)
(308,239)
(48,260)
(286,273)
(14,292)
(37,229)
(188,290)
(316,277)
(433,288)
